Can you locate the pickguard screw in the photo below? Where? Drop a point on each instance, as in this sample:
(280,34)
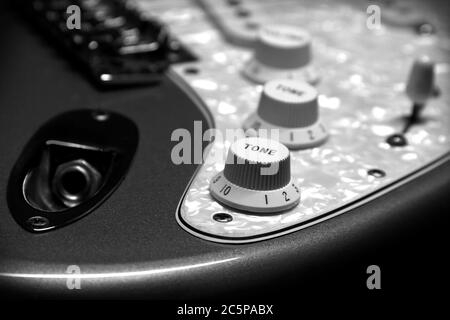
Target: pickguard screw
(38,222)
(243,13)
(222,217)
(234,2)
(425,29)
(397,140)
(191,70)
(377,173)
(100,115)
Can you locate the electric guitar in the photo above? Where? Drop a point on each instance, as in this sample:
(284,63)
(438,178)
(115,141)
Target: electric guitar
(163,149)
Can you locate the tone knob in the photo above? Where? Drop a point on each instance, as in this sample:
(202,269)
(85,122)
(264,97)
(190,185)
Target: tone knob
(290,106)
(257,177)
(281,51)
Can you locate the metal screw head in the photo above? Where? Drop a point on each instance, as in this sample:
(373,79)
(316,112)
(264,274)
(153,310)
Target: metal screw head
(425,29)
(377,173)
(223,217)
(234,2)
(100,115)
(191,70)
(397,140)
(38,222)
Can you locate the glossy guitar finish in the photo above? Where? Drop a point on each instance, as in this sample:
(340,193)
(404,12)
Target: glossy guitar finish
(132,246)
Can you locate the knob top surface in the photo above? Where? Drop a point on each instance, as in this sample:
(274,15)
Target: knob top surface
(283,46)
(258,164)
(284,36)
(290,91)
(289,103)
(257,177)
(259,150)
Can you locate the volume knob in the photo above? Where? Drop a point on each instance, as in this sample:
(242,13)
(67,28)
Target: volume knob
(291,107)
(257,177)
(281,51)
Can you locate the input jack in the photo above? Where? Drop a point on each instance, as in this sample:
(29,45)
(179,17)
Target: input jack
(75,181)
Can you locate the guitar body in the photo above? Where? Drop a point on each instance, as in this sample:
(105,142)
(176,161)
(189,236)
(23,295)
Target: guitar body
(139,243)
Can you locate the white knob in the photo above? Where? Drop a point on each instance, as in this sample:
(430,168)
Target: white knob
(257,177)
(291,107)
(281,51)
(284,47)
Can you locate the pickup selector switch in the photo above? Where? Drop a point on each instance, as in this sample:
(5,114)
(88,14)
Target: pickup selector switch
(420,85)
(281,51)
(291,107)
(257,177)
